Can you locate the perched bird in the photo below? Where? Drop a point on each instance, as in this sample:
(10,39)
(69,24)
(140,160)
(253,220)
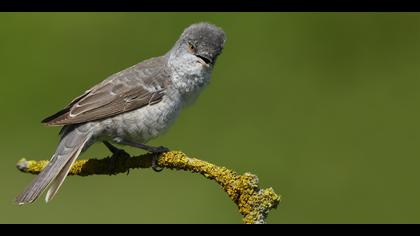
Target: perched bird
(132,106)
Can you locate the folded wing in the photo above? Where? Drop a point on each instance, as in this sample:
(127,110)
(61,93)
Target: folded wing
(130,89)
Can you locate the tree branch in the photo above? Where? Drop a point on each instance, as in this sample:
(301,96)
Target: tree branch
(253,203)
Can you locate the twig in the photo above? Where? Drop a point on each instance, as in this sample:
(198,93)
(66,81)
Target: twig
(253,203)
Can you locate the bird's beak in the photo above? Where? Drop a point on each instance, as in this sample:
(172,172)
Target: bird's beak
(206,61)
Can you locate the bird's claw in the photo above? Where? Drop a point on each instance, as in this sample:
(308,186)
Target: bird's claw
(157,151)
(155,166)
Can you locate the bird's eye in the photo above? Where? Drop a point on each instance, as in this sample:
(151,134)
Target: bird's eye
(191,46)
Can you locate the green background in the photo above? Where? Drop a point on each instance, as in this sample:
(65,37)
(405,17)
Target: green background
(323,107)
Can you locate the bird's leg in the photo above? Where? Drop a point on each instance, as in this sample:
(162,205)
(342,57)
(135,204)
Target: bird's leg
(148,148)
(155,150)
(116,152)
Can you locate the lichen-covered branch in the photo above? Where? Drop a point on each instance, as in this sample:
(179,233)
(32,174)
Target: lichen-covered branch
(253,202)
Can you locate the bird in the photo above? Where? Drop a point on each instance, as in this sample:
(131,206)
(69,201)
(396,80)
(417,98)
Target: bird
(131,107)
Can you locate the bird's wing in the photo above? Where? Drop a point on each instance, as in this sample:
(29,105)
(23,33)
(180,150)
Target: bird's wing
(133,88)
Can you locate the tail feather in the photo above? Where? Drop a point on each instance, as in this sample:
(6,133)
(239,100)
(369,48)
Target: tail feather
(57,169)
(58,181)
(38,185)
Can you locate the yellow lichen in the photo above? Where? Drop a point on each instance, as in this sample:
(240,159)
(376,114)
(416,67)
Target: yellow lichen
(253,203)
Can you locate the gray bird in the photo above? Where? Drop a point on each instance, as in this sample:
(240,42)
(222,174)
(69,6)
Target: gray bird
(132,106)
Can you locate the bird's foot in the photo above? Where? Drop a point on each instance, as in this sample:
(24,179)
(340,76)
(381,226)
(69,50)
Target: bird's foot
(157,151)
(155,166)
(116,154)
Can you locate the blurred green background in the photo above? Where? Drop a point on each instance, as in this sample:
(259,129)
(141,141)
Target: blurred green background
(323,107)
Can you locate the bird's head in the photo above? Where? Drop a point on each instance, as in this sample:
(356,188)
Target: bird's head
(201,42)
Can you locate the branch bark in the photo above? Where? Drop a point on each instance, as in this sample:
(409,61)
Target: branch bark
(253,202)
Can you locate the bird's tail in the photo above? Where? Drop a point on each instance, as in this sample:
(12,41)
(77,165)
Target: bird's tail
(55,172)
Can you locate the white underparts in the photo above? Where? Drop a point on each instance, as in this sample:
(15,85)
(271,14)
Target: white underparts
(188,78)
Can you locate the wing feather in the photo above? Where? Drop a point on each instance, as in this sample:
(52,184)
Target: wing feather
(133,88)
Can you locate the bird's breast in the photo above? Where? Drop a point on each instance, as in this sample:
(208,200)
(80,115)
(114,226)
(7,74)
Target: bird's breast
(189,77)
(142,124)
